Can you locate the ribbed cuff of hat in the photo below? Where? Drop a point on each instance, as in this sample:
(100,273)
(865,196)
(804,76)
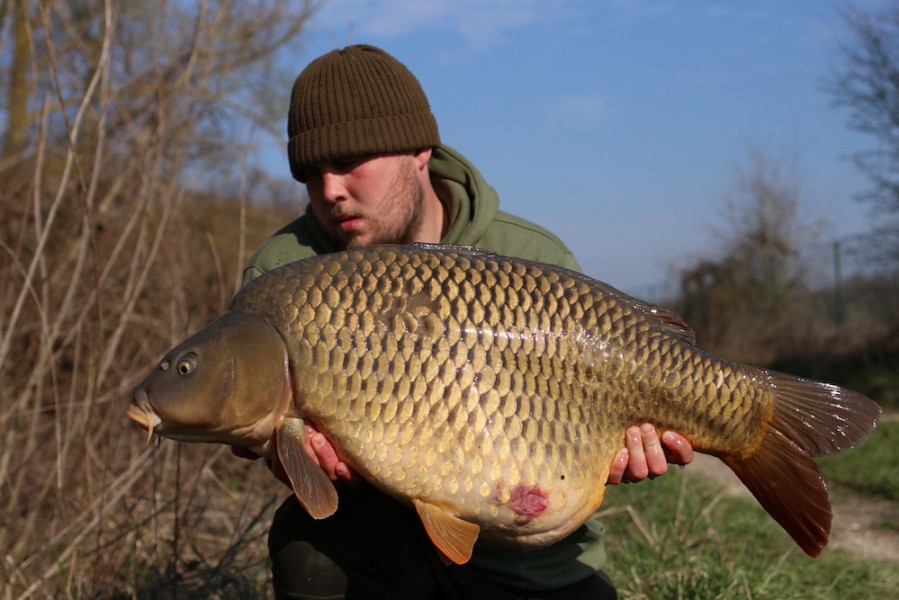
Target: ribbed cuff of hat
(364,137)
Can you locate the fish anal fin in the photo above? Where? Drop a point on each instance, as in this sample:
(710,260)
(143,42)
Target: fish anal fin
(451,535)
(311,485)
(786,482)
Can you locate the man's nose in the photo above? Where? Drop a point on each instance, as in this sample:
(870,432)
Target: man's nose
(333,189)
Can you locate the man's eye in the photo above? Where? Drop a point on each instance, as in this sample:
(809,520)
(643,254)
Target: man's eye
(345,166)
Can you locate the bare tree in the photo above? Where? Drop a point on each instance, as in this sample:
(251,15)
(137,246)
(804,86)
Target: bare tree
(120,116)
(750,285)
(866,82)
(18,80)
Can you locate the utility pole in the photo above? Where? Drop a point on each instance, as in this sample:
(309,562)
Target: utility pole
(838,308)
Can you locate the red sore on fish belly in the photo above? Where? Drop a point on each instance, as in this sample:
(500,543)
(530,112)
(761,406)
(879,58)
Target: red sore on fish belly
(527,501)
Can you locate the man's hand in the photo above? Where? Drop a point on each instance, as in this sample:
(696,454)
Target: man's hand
(323,453)
(319,450)
(645,455)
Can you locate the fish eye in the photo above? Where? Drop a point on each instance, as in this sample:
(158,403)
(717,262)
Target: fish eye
(187,364)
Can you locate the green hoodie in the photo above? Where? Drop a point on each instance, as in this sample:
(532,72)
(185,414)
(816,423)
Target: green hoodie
(475,220)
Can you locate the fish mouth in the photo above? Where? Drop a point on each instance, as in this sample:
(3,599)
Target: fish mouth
(142,413)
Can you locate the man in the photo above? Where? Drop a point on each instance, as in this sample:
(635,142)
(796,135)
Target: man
(363,140)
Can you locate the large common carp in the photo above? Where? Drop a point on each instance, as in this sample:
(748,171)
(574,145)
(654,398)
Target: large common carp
(489,393)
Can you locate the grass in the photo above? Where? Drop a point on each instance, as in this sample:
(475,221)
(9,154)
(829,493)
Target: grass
(700,544)
(870,467)
(203,536)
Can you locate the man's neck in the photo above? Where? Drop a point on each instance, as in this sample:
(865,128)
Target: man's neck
(437,216)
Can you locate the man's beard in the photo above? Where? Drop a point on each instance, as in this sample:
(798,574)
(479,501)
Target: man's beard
(404,231)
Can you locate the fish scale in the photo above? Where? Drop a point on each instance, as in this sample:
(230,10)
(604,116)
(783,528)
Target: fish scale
(490,393)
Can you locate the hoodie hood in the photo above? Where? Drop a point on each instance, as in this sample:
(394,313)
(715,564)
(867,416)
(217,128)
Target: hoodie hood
(472,202)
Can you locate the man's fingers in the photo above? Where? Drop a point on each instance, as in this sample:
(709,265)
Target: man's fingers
(619,464)
(647,455)
(309,446)
(637,468)
(342,471)
(656,463)
(678,450)
(325,454)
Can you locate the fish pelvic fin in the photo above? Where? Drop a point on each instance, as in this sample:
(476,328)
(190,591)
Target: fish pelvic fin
(313,489)
(451,535)
(810,419)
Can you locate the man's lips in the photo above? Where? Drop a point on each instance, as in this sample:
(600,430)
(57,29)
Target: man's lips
(347,222)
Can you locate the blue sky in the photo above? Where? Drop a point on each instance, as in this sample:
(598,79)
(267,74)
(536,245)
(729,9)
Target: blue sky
(618,123)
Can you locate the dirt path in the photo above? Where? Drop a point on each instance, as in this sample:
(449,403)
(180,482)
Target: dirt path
(855,517)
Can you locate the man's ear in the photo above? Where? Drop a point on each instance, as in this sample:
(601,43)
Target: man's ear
(422,157)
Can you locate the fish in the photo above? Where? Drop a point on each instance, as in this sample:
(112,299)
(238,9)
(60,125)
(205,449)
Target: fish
(490,394)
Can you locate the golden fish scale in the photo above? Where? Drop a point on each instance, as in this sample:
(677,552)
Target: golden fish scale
(463,376)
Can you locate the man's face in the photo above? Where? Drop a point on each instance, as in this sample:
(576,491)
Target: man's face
(369,201)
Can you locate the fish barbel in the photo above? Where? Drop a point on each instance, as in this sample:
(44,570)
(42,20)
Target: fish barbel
(489,393)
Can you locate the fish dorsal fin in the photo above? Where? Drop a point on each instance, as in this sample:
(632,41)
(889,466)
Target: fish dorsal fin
(457,249)
(454,537)
(665,318)
(662,317)
(310,484)
(671,322)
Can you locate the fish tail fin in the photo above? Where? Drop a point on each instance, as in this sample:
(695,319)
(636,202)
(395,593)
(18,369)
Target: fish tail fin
(810,419)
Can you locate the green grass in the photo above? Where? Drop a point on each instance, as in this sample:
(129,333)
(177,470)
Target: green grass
(870,467)
(680,538)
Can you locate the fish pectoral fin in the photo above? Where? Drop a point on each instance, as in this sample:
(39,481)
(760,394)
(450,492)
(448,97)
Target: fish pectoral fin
(311,485)
(453,536)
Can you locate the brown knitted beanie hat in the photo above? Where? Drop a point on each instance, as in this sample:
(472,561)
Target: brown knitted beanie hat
(354,102)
